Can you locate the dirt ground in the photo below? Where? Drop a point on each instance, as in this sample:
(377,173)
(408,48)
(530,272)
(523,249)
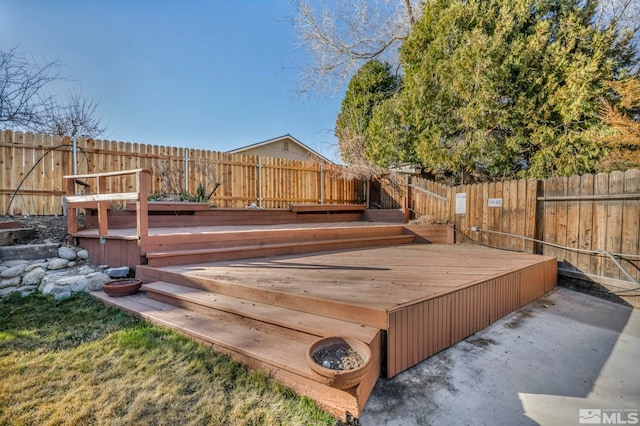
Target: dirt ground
(48,229)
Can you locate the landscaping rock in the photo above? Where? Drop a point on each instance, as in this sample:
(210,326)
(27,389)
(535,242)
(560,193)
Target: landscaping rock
(86,270)
(66,253)
(63,274)
(8,290)
(96,279)
(57,263)
(13,271)
(120,272)
(52,278)
(63,295)
(75,283)
(43,265)
(10,282)
(52,288)
(14,262)
(33,277)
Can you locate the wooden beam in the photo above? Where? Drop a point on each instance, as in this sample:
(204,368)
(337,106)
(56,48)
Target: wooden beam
(103,197)
(106,174)
(592,197)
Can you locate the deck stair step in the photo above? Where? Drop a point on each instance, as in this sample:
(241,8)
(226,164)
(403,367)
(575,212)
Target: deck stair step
(250,237)
(285,352)
(181,257)
(205,301)
(261,336)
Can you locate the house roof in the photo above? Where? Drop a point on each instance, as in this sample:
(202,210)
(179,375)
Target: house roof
(279,138)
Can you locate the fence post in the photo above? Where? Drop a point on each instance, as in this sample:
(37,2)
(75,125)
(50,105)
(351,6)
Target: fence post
(537,221)
(186,170)
(407,201)
(321,185)
(259,181)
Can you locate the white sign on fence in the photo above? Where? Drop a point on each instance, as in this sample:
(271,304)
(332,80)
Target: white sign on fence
(495,202)
(461,203)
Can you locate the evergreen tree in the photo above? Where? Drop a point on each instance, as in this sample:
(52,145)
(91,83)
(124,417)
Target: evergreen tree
(623,140)
(370,86)
(502,88)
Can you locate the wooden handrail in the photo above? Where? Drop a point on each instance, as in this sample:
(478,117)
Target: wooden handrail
(99,199)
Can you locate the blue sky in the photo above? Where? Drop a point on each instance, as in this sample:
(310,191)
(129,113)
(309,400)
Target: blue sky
(199,74)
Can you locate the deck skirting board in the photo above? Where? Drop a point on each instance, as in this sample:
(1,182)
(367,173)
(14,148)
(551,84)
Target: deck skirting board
(421,330)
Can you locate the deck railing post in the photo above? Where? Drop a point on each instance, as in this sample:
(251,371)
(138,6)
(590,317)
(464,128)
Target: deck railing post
(101,198)
(142,204)
(72,220)
(103,225)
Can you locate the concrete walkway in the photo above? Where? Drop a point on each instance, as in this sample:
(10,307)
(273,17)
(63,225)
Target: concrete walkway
(542,364)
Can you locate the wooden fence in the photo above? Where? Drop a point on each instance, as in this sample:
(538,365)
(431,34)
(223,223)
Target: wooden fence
(585,213)
(32,166)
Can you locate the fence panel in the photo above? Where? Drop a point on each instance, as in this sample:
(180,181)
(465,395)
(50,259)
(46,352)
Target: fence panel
(240,182)
(588,212)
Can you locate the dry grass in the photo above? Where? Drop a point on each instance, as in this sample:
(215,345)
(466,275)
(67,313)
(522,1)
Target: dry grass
(80,362)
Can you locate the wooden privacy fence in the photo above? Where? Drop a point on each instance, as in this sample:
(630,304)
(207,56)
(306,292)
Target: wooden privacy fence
(585,213)
(32,167)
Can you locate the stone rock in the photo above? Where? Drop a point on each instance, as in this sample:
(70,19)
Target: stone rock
(26,293)
(66,253)
(96,279)
(57,263)
(71,264)
(77,282)
(53,288)
(10,282)
(14,262)
(79,285)
(60,272)
(120,272)
(35,265)
(33,277)
(13,271)
(63,295)
(3,268)
(28,288)
(8,290)
(83,254)
(85,270)
(52,277)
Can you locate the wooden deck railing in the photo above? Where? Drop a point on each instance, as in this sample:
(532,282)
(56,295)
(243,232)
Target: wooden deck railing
(99,199)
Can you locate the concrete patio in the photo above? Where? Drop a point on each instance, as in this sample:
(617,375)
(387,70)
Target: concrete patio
(539,365)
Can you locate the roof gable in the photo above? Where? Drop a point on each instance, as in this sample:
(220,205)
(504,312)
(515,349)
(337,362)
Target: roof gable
(279,139)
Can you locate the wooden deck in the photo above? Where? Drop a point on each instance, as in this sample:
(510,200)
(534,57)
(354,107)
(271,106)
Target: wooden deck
(407,302)
(426,297)
(264,293)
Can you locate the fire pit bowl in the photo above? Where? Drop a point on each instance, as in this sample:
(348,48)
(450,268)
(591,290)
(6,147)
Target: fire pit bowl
(350,372)
(122,287)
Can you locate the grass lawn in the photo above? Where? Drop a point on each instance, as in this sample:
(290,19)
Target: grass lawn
(78,361)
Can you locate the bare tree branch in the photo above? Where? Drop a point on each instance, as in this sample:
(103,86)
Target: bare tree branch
(624,14)
(341,35)
(22,104)
(77,115)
